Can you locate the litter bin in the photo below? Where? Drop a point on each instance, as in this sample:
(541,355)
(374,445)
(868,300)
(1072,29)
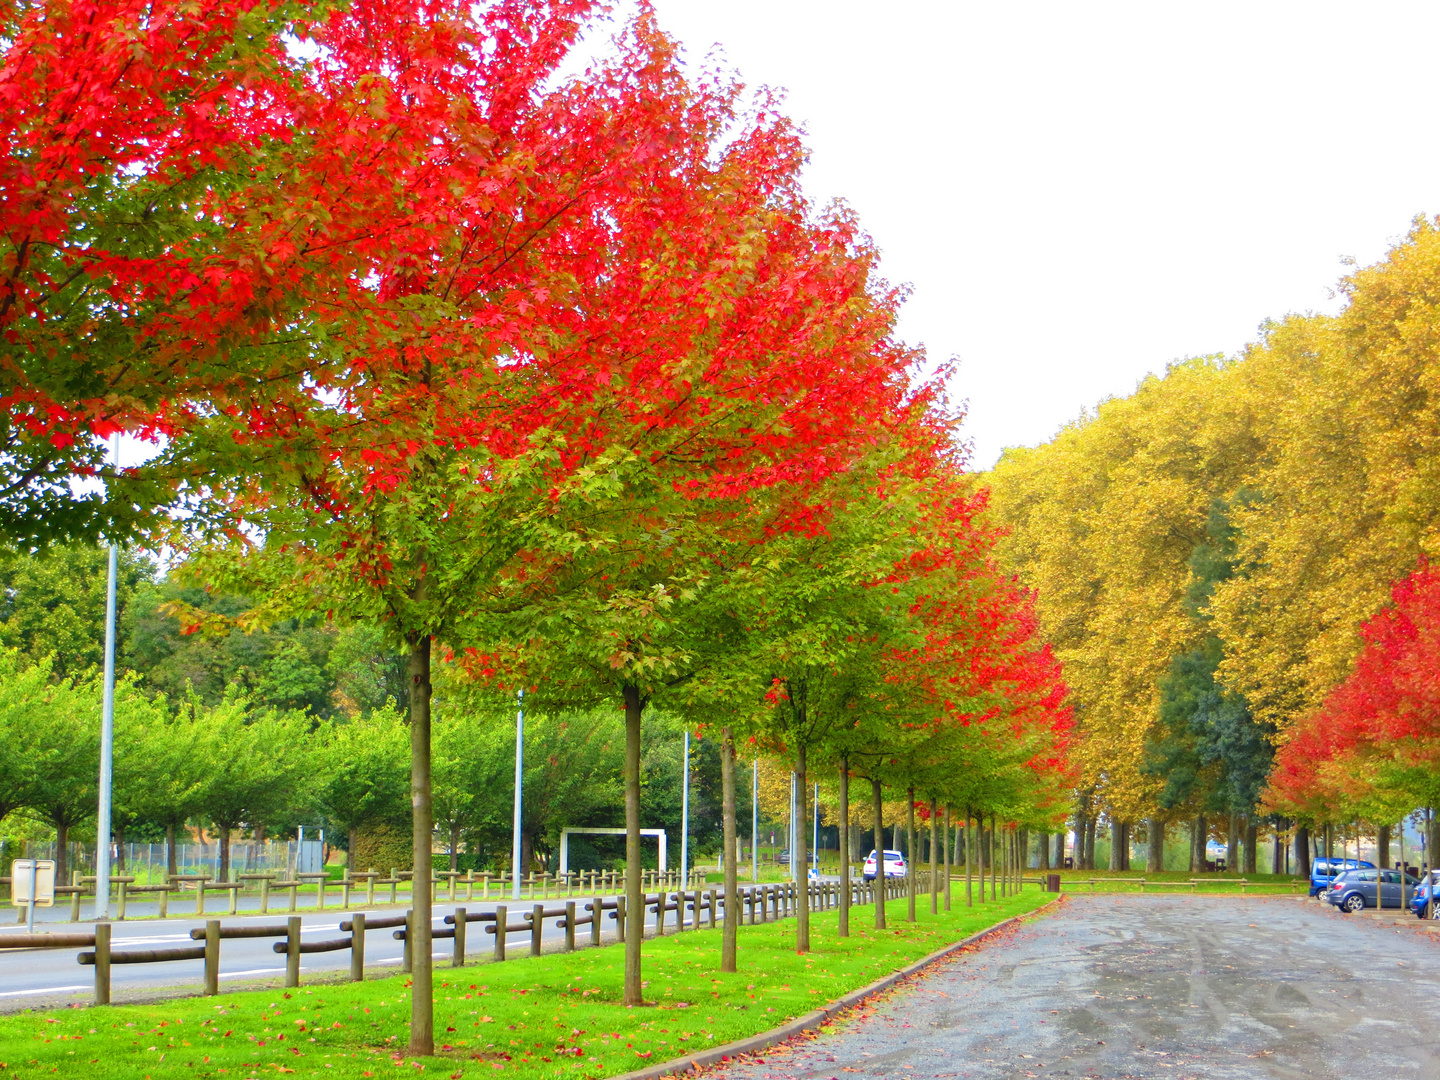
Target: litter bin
(1052,882)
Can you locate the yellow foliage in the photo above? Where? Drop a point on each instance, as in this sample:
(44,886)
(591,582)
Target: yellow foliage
(1330,426)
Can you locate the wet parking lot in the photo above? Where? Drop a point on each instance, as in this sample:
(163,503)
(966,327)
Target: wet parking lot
(1152,986)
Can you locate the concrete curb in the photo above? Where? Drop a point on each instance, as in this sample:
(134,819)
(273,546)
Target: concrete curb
(813,1020)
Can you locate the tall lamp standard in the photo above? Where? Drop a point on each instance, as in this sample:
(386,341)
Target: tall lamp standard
(755,820)
(519,786)
(107,730)
(685,831)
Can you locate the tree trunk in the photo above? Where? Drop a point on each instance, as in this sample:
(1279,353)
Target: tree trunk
(802,868)
(1232,845)
(1090,826)
(1155,846)
(991,852)
(634,891)
(730,933)
(120,847)
(909,856)
(945,844)
(969,864)
(171,856)
(934,858)
(876,795)
(62,862)
(1382,846)
(422,992)
(354,841)
(1432,839)
(1302,851)
(455,845)
(1252,839)
(1116,832)
(222,837)
(1277,852)
(1043,852)
(844,914)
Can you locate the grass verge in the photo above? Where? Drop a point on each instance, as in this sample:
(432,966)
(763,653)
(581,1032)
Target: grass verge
(555,1016)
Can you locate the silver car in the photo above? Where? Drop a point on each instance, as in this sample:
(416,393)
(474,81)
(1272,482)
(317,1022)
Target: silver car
(1354,890)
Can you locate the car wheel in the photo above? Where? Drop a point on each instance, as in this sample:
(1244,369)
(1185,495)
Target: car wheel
(1353,903)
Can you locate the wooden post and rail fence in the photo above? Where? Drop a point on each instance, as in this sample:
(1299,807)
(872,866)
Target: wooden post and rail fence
(694,909)
(268,884)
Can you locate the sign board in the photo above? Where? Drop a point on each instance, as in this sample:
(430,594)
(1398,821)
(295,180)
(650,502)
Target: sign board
(44,870)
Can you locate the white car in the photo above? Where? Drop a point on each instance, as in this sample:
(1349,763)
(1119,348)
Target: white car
(894,865)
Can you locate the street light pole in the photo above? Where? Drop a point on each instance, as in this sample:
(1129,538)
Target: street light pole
(755,820)
(815,835)
(107,730)
(795,825)
(685,831)
(519,787)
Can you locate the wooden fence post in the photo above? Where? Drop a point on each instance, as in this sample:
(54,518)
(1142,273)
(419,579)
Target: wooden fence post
(620,918)
(459,958)
(357,947)
(502,917)
(537,927)
(212,957)
(102,963)
(569,925)
(165,901)
(292,951)
(596,913)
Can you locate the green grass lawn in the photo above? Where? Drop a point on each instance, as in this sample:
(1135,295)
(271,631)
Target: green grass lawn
(555,1016)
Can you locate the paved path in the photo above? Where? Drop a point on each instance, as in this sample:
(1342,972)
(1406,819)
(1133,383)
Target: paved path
(1155,986)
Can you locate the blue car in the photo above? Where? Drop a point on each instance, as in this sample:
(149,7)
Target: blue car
(1322,871)
(1422,897)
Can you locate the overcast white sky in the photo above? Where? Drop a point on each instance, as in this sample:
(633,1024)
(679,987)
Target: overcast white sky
(1079,193)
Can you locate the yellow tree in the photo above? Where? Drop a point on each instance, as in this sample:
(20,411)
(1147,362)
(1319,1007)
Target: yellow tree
(1102,522)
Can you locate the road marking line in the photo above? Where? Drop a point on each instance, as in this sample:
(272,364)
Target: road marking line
(45,990)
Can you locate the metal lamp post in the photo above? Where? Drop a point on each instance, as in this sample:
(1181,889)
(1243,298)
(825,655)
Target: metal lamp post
(107,731)
(685,828)
(755,820)
(519,786)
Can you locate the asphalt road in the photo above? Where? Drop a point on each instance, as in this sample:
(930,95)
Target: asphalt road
(1145,987)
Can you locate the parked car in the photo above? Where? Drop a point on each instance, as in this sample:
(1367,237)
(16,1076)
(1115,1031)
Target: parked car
(894,865)
(1421,896)
(1353,890)
(1323,871)
(784,857)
